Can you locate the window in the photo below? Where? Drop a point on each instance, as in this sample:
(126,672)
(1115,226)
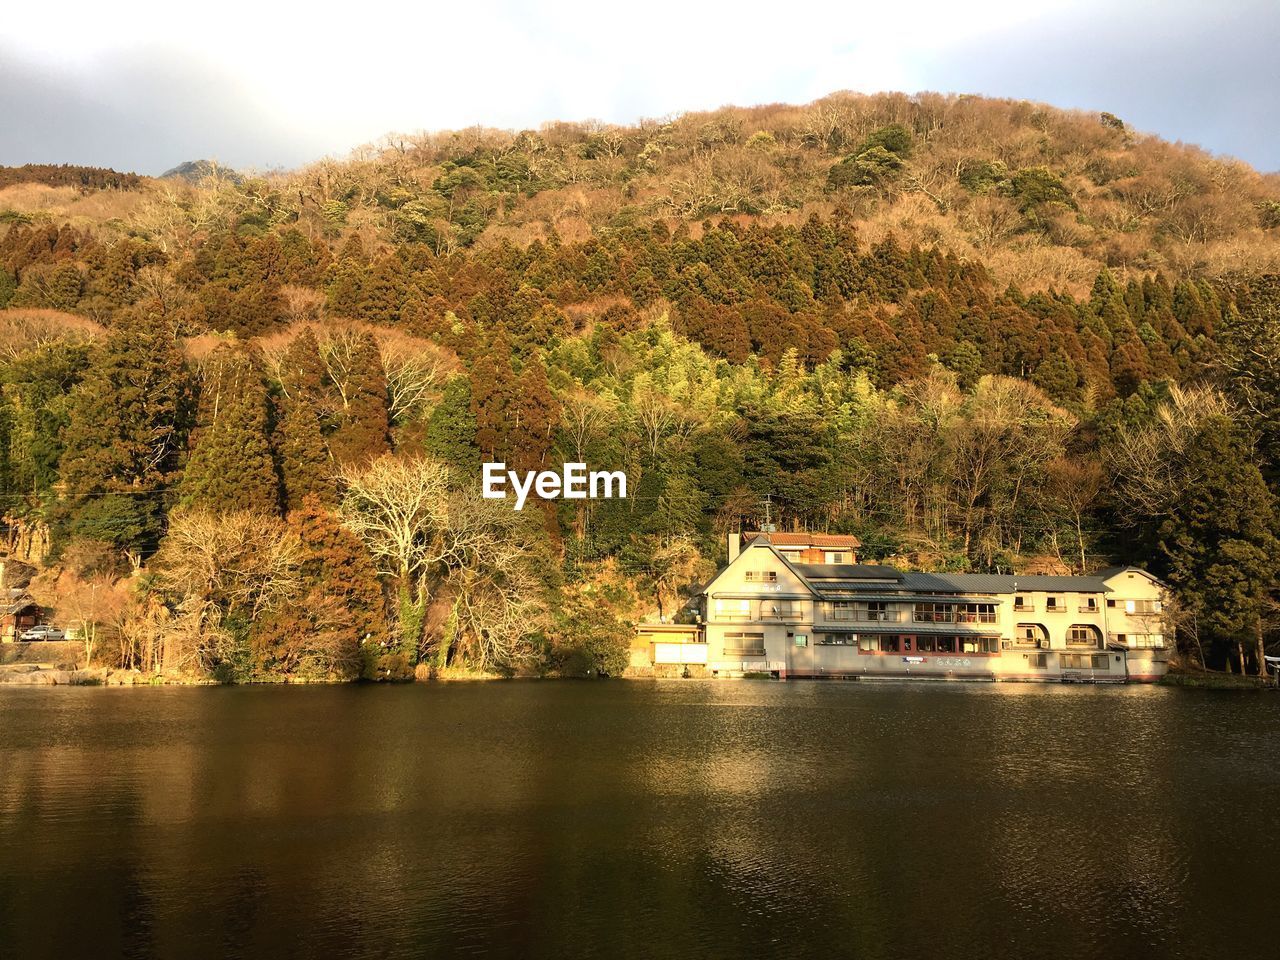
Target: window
(926,644)
(1110,602)
(837,556)
(1083,633)
(744,644)
(1037,661)
(841,610)
(733,609)
(934,613)
(836,640)
(976,613)
(1051,603)
(1099,661)
(877,610)
(979,645)
(946,645)
(802,639)
(1142,606)
(1089,605)
(890,645)
(867,644)
(762,576)
(1021,603)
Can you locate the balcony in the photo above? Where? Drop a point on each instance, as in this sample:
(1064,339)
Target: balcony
(1137,641)
(866,616)
(1025,607)
(953,616)
(1087,609)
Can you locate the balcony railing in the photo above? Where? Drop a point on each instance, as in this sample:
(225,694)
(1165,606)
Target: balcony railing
(1138,641)
(1025,607)
(866,616)
(1084,608)
(956,616)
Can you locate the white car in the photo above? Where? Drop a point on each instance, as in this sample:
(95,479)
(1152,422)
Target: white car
(43,631)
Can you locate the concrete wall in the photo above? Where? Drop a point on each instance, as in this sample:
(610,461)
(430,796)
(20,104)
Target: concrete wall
(66,654)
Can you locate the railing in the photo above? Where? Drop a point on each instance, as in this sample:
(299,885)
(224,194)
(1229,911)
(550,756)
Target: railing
(743,651)
(1025,607)
(866,616)
(1086,609)
(937,616)
(1138,641)
(780,614)
(957,616)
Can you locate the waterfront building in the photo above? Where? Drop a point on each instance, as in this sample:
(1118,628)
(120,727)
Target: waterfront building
(781,609)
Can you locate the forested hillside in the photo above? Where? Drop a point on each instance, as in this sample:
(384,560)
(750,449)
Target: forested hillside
(243,419)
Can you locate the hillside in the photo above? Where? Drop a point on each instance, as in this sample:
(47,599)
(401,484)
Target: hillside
(981,335)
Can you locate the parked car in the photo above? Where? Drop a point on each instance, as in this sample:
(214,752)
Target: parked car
(43,631)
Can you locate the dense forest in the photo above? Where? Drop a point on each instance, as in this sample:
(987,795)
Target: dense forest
(242,420)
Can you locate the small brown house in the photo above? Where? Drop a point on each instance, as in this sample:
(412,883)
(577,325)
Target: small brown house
(20,613)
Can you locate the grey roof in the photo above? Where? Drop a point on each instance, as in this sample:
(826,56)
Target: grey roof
(847,571)
(863,576)
(1002,583)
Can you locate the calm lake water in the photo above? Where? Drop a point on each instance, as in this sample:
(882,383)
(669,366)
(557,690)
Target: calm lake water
(633,819)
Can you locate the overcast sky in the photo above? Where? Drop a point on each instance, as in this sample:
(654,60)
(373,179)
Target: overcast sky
(146,85)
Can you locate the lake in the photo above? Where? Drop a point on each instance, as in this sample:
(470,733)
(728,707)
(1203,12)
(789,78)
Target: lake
(637,819)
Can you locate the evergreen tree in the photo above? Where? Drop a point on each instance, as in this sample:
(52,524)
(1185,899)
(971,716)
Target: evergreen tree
(451,430)
(302,371)
(537,414)
(1221,538)
(231,467)
(127,421)
(363,431)
(303,459)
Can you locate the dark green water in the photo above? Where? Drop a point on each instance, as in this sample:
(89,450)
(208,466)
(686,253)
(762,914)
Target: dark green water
(677,819)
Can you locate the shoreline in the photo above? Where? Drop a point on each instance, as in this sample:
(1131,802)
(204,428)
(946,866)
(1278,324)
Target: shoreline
(39,675)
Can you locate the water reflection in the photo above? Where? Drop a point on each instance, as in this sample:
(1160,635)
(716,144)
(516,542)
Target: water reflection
(647,820)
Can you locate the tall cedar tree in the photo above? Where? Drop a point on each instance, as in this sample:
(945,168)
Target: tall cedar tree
(451,430)
(128,418)
(302,457)
(364,424)
(1222,538)
(337,565)
(231,467)
(536,415)
(493,394)
(302,372)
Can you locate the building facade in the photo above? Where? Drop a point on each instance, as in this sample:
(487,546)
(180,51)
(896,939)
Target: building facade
(781,610)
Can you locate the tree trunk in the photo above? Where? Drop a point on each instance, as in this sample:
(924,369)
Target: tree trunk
(1261,651)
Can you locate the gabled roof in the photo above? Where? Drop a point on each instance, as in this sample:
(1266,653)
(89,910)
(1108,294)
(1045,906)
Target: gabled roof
(844,540)
(759,543)
(869,578)
(1106,573)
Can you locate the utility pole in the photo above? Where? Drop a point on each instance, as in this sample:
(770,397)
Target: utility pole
(767,526)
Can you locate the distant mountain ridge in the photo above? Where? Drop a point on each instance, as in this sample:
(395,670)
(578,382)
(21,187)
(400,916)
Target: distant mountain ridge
(193,171)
